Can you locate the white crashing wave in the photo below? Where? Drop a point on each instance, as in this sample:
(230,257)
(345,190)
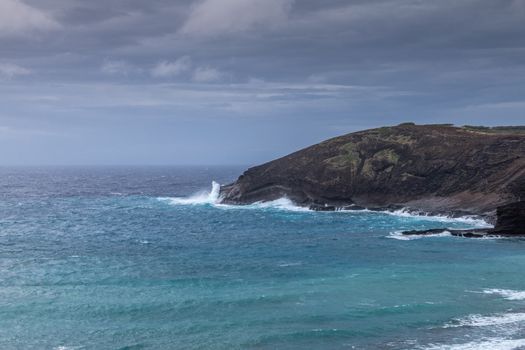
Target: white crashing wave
(485,344)
(202,197)
(400,236)
(471,220)
(507,293)
(507,323)
(488,321)
(468,219)
(281,204)
(212,197)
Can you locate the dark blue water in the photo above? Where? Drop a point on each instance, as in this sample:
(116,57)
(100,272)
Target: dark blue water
(132,258)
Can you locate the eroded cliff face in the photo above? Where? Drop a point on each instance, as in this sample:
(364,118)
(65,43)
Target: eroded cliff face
(511,219)
(428,167)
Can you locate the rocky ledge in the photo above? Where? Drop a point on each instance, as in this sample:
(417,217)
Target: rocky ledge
(432,168)
(510,222)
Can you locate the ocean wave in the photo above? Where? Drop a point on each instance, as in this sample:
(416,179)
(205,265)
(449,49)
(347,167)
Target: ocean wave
(485,344)
(199,198)
(290,264)
(508,294)
(400,236)
(467,219)
(212,197)
(281,204)
(487,321)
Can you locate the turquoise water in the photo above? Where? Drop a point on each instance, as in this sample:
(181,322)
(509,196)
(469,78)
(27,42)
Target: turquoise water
(133,258)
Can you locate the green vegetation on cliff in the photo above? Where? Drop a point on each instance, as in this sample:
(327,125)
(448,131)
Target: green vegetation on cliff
(430,167)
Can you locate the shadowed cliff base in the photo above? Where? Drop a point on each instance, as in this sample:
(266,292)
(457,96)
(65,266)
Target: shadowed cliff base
(510,222)
(432,168)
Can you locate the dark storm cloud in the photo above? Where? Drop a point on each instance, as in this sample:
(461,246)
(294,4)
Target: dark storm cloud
(306,68)
(267,39)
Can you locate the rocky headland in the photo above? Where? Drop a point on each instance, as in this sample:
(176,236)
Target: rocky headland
(439,169)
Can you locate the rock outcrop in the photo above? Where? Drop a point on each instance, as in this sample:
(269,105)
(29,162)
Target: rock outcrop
(433,168)
(510,221)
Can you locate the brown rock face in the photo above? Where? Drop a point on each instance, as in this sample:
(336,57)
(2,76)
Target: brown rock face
(438,168)
(511,219)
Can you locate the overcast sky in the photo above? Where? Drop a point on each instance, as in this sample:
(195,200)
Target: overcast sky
(245,81)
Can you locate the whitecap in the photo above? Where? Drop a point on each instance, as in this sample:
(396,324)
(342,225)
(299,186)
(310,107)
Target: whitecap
(212,197)
(508,294)
(488,321)
(290,264)
(202,197)
(467,219)
(400,236)
(471,220)
(281,204)
(485,344)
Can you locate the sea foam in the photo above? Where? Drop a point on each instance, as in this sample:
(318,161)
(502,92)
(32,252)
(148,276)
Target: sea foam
(467,219)
(280,204)
(400,236)
(507,293)
(201,197)
(488,321)
(485,344)
(212,197)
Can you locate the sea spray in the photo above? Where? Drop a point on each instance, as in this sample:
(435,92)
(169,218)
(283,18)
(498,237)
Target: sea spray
(486,344)
(212,197)
(507,293)
(488,321)
(199,198)
(400,236)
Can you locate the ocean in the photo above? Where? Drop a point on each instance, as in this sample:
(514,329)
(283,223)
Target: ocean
(145,258)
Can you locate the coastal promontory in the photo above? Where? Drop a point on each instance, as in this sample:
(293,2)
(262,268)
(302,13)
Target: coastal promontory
(431,168)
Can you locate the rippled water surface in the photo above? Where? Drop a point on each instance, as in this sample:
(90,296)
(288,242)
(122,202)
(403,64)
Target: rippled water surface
(143,258)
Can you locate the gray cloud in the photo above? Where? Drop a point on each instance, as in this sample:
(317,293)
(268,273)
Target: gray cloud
(207,74)
(302,70)
(18,18)
(220,17)
(119,67)
(173,68)
(11,70)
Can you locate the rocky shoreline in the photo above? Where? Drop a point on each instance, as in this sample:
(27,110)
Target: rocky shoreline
(435,169)
(510,222)
(491,219)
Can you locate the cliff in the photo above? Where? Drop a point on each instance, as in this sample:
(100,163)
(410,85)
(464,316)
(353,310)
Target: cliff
(434,168)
